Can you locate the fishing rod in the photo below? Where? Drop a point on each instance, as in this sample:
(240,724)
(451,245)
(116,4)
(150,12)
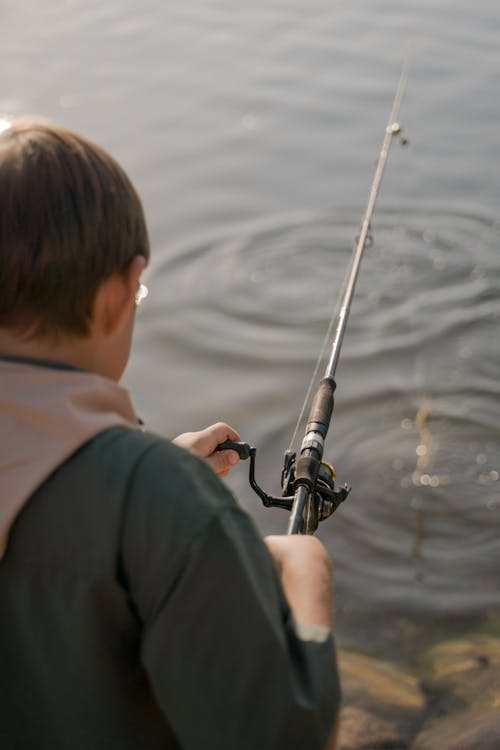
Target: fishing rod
(308,482)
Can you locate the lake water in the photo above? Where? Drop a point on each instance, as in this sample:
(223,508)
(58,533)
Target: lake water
(252,131)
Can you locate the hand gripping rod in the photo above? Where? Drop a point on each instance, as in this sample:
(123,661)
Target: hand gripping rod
(303,516)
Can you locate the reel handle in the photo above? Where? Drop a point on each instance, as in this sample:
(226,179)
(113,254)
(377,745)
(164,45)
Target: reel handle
(244,450)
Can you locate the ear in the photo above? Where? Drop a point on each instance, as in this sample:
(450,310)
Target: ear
(115,301)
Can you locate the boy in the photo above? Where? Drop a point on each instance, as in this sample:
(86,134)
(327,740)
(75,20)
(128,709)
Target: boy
(140,609)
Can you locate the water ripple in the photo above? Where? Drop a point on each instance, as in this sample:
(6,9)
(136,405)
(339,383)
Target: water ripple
(250,311)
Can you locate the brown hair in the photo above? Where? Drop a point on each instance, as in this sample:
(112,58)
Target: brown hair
(69,219)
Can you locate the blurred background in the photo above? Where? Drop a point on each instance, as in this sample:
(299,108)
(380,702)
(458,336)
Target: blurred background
(251,131)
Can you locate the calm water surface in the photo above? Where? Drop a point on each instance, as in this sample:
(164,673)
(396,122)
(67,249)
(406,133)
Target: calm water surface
(252,130)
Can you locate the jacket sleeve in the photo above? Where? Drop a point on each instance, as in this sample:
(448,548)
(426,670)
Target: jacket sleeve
(218,642)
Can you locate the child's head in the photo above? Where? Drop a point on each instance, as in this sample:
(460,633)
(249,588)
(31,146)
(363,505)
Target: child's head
(70,218)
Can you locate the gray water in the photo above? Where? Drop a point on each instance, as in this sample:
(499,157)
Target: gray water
(251,130)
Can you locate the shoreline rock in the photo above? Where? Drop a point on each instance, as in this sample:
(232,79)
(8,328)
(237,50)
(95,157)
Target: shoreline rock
(450,702)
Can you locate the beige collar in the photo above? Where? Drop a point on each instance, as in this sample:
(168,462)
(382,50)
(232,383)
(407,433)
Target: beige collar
(46,414)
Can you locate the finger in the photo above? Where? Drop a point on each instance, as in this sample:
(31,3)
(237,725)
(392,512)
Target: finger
(222,461)
(219,432)
(205,442)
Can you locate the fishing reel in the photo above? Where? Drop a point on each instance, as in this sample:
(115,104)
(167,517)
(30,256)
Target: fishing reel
(326,498)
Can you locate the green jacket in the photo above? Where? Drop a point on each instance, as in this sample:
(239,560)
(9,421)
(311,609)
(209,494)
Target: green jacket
(141,610)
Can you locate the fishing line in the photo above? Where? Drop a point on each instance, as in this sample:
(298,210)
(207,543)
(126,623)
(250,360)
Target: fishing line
(319,360)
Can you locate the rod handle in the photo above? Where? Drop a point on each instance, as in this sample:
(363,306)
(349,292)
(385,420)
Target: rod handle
(322,406)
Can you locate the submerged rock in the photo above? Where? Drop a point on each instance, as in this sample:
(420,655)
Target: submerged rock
(361,730)
(377,691)
(464,674)
(453,704)
(465,731)
(462,680)
(379,686)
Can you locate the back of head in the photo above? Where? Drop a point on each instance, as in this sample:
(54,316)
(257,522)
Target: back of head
(70,218)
